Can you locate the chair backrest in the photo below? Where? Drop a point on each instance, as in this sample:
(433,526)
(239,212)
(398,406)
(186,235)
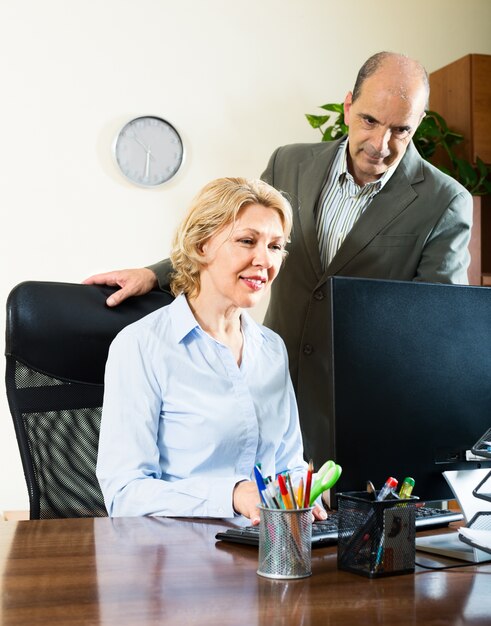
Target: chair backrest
(57,340)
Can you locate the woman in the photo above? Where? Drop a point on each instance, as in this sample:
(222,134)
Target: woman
(197,393)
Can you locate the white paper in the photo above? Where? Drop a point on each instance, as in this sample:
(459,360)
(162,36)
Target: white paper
(481,538)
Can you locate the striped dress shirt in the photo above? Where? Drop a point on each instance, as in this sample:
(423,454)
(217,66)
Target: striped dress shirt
(341,203)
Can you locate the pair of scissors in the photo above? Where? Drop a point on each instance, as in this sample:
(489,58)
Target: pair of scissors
(326,478)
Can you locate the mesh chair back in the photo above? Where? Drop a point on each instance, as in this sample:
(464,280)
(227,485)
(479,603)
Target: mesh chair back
(57,340)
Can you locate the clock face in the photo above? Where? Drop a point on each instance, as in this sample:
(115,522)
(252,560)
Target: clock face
(148,150)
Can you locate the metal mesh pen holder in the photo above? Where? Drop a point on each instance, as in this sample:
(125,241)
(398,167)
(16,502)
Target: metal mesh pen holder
(376,538)
(285,543)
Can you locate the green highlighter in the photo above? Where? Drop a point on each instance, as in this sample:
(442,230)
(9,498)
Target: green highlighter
(326,478)
(406,488)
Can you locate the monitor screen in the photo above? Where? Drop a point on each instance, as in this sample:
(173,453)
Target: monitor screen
(410,381)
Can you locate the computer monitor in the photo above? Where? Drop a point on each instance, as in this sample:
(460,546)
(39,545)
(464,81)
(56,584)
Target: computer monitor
(410,380)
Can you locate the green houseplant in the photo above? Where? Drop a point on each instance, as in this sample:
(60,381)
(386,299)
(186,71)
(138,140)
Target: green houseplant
(433,137)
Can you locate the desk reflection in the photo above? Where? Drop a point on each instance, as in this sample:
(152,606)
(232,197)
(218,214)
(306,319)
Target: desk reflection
(146,560)
(145,571)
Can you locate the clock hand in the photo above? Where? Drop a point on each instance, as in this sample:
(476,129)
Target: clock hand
(147,165)
(138,140)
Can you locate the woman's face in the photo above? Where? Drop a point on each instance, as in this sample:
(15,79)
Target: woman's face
(241,260)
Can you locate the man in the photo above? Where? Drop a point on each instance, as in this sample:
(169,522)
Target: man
(367,205)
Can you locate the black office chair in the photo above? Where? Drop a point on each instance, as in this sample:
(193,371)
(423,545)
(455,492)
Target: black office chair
(57,340)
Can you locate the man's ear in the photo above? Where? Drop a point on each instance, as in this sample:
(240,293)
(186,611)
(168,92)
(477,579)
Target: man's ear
(348,101)
(423,115)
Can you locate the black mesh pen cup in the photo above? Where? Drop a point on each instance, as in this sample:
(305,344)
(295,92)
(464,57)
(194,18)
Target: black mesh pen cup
(376,538)
(285,543)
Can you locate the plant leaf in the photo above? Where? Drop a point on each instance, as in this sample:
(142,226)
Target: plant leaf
(316,121)
(337,108)
(438,120)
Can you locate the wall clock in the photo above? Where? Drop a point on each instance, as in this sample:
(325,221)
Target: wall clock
(149,150)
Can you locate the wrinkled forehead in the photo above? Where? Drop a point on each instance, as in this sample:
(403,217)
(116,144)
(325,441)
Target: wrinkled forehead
(398,84)
(398,102)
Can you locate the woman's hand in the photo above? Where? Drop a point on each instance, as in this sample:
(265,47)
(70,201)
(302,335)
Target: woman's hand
(245,500)
(318,513)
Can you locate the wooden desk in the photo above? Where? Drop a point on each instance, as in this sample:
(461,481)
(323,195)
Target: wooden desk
(141,571)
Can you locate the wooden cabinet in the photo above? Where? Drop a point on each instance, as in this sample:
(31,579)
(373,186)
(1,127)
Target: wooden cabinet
(461,93)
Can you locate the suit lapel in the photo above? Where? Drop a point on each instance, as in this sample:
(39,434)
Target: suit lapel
(312,176)
(397,194)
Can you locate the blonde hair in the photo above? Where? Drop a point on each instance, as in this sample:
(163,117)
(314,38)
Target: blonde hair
(215,206)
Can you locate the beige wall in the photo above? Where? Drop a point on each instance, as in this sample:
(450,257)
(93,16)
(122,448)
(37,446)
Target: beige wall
(234,77)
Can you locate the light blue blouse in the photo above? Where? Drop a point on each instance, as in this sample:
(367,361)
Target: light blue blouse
(182,423)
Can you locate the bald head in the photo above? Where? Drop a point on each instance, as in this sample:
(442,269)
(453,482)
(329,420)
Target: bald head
(383,113)
(400,73)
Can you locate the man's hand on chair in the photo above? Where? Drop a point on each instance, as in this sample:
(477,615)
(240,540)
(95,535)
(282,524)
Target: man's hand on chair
(134,282)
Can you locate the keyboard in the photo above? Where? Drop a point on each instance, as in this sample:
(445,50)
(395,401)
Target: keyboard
(325,533)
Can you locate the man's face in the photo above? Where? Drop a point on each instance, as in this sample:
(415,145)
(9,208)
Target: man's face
(382,121)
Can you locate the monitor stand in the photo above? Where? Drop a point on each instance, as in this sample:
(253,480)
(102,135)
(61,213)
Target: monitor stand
(462,483)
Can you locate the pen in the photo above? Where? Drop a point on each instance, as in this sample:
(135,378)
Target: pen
(271,491)
(380,554)
(387,489)
(308,485)
(284,492)
(260,485)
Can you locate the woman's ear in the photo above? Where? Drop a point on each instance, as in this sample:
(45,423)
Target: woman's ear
(203,252)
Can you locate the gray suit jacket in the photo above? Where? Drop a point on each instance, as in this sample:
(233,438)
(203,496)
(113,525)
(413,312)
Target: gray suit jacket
(416,228)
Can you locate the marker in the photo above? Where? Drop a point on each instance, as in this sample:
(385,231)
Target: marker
(406,488)
(388,488)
